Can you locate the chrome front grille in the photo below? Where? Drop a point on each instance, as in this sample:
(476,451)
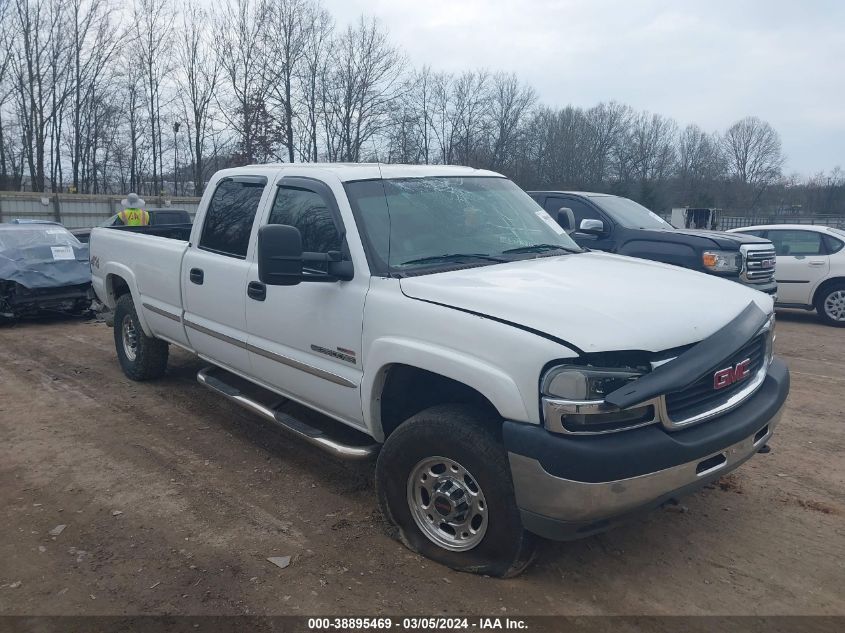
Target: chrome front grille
(702,396)
(758,263)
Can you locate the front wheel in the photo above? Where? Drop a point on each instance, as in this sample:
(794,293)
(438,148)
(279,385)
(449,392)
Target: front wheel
(830,304)
(443,481)
(141,357)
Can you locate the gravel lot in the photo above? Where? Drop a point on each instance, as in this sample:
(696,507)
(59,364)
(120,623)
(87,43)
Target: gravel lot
(173,498)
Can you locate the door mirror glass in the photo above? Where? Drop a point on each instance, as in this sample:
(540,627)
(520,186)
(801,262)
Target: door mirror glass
(593,227)
(279,255)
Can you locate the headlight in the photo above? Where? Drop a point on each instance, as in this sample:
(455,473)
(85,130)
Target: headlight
(585,383)
(722,261)
(573,400)
(770,340)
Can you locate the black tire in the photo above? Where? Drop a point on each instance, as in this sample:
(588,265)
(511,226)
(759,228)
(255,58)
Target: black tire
(150,356)
(822,297)
(458,433)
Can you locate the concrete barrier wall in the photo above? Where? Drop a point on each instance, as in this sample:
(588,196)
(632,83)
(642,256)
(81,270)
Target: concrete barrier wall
(77,211)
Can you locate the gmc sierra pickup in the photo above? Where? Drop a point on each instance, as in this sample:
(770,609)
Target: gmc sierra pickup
(614,224)
(436,319)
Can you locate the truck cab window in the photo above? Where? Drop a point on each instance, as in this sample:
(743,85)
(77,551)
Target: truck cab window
(228,221)
(580,210)
(307,211)
(310,213)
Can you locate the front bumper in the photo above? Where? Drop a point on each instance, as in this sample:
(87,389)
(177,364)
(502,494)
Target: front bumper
(570,487)
(18,300)
(769,287)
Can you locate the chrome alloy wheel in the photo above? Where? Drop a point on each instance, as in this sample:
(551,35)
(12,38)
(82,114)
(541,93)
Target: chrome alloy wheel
(447,504)
(130,338)
(834,305)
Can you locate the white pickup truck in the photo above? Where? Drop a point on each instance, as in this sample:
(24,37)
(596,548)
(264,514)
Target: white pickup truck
(509,383)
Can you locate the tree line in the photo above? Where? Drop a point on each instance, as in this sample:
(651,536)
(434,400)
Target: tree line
(108,96)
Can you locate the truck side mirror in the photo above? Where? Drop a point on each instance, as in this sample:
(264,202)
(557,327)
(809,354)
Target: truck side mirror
(566,219)
(279,255)
(591,226)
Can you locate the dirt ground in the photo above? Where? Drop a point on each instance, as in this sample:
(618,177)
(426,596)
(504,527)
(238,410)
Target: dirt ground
(173,498)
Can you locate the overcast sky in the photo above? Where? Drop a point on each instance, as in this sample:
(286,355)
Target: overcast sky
(700,62)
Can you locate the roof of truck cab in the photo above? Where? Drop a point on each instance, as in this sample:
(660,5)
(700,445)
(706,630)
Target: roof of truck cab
(368,171)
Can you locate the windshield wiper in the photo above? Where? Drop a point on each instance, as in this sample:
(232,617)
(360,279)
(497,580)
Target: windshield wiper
(454,256)
(536,248)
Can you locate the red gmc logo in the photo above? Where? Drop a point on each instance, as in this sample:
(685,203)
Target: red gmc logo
(730,375)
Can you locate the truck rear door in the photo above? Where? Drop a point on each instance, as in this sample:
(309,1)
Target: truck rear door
(214,273)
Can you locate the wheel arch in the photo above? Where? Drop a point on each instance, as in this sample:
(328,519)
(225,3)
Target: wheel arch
(823,286)
(120,281)
(413,377)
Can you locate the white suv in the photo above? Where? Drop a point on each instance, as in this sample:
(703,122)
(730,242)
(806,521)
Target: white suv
(810,267)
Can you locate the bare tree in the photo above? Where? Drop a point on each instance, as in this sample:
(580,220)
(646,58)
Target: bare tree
(754,151)
(313,76)
(288,33)
(510,103)
(5,90)
(365,82)
(469,113)
(607,123)
(700,165)
(197,80)
(151,31)
(35,26)
(240,34)
(93,44)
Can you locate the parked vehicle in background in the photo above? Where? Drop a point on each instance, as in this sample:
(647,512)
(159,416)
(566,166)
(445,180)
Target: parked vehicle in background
(158,217)
(810,267)
(610,223)
(43,268)
(509,382)
(696,218)
(31,221)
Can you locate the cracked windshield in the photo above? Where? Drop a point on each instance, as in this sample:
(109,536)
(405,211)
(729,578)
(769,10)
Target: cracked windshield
(418,222)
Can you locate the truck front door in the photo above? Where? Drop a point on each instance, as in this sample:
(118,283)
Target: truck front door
(214,272)
(305,340)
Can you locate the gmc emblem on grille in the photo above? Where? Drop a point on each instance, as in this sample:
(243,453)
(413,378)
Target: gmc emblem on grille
(728,376)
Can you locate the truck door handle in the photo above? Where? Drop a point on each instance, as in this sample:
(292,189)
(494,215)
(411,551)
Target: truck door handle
(197,276)
(816,262)
(256,290)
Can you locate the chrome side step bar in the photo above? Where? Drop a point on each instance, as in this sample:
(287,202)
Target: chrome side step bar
(292,425)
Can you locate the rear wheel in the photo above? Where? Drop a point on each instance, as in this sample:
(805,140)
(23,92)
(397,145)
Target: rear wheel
(443,482)
(141,357)
(830,304)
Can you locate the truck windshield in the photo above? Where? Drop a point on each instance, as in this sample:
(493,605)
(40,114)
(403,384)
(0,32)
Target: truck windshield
(410,223)
(630,214)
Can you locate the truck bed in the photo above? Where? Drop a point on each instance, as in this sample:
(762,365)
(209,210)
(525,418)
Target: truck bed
(150,260)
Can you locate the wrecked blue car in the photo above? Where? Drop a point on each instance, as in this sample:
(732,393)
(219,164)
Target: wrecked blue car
(43,268)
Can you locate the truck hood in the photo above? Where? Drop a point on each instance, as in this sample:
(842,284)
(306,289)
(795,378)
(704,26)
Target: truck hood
(594,301)
(723,240)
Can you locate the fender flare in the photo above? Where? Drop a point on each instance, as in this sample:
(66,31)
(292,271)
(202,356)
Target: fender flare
(490,381)
(114,269)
